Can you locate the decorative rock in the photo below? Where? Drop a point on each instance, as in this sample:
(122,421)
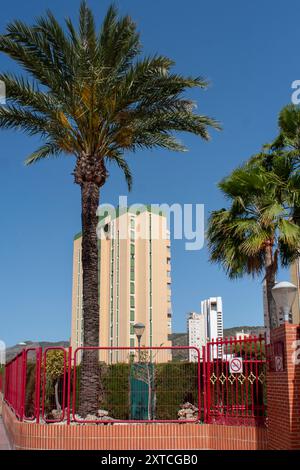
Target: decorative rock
(188,412)
(91,418)
(56,414)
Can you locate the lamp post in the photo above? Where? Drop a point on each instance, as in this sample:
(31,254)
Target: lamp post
(139,329)
(284,294)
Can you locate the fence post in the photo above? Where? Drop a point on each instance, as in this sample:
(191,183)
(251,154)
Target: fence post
(23,383)
(38,384)
(204,383)
(69,385)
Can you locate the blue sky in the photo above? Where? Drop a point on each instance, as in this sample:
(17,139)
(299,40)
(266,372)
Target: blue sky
(249,52)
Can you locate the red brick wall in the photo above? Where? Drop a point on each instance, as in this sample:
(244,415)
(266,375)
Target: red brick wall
(128,436)
(283,394)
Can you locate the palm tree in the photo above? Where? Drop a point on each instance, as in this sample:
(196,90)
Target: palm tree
(89,95)
(288,138)
(260,227)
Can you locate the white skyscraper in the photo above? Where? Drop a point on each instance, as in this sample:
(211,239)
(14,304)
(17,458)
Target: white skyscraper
(196,334)
(212,309)
(206,326)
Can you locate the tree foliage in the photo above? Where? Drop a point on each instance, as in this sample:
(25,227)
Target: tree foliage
(89,93)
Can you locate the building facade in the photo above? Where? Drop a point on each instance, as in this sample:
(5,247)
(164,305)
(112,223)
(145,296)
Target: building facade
(206,326)
(196,334)
(134,281)
(213,311)
(241,335)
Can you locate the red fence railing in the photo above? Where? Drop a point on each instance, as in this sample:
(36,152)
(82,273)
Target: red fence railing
(235,381)
(141,384)
(15,374)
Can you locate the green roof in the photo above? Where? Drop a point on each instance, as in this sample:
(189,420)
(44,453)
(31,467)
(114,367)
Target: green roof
(122,210)
(78,235)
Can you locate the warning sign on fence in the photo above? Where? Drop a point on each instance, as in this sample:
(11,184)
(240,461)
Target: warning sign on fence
(236,365)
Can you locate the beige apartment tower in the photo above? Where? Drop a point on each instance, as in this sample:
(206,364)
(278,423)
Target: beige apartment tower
(134,284)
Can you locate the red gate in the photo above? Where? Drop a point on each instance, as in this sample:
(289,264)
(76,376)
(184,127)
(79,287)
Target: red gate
(235,373)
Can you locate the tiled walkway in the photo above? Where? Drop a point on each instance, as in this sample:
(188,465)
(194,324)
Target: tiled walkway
(4,444)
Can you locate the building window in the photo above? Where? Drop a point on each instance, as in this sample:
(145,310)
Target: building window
(131,315)
(132,288)
(132,342)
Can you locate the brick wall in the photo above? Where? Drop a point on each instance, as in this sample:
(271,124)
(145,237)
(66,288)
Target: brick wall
(140,436)
(283,393)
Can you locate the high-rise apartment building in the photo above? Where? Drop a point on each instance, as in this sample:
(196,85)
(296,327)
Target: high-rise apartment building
(213,311)
(134,280)
(196,334)
(206,326)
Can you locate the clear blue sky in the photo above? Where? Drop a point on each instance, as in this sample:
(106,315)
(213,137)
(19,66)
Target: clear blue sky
(249,51)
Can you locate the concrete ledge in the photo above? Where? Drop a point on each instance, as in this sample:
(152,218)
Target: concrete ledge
(123,437)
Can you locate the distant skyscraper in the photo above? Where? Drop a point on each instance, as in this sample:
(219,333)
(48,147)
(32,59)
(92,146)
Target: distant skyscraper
(134,281)
(213,311)
(196,334)
(206,326)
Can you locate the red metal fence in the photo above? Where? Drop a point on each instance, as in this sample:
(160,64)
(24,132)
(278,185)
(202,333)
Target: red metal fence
(235,375)
(142,385)
(14,384)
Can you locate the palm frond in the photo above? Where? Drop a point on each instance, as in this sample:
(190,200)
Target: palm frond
(49,149)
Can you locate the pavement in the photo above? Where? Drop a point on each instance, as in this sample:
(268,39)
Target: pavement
(4,443)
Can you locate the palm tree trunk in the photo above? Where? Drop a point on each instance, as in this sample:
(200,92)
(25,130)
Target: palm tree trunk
(270,283)
(89,373)
(57,404)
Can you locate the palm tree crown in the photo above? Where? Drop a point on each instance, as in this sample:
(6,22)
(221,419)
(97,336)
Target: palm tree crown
(259,229)
(91,96)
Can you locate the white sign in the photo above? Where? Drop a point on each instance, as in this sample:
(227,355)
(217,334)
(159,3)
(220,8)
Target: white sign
(236,365)
(278,364)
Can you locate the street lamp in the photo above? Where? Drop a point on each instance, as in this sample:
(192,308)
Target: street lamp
(284,294)
(139,329)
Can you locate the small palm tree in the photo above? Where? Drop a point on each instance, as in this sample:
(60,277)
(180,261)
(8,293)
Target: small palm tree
(90,96)
(260,227)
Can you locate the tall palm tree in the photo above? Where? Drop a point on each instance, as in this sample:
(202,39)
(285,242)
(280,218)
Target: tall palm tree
(260,227)
(89,95)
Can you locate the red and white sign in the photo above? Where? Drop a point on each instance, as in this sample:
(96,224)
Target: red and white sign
(236,365)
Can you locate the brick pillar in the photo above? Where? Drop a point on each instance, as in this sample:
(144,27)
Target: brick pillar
(283,389)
